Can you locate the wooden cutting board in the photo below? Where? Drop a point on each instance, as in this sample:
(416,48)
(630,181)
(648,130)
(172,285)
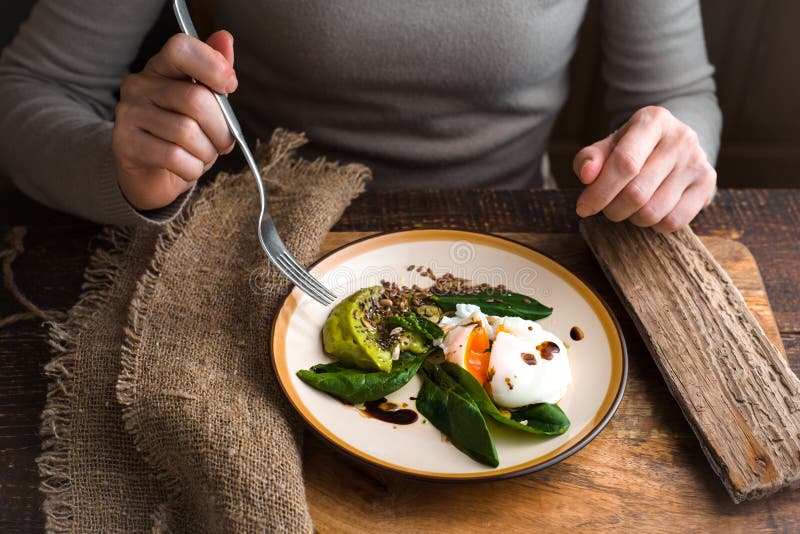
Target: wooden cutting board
(644,471)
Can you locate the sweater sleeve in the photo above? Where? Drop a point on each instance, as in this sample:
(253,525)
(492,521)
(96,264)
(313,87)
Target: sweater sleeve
(654,53)
(58,84)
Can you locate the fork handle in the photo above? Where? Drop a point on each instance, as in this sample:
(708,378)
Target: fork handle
(187,26)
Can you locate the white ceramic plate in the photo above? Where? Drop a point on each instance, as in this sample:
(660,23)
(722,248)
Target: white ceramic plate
(599,361)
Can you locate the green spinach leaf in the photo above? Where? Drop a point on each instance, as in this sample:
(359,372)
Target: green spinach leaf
(356,386)
(543,419)
(496,303)
(417,324)
(451,410)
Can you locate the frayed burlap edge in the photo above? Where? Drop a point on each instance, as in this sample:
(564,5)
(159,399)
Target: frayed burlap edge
(281,146)
(145,286)
(99,277)
(56,427)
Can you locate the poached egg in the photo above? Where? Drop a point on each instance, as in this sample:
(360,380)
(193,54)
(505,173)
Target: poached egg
(516,360)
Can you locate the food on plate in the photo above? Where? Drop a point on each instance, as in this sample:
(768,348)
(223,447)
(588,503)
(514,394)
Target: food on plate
(517,360)
(478,350)
(451,398)
(351,334)
(356,386)
(363,332)
(499,303)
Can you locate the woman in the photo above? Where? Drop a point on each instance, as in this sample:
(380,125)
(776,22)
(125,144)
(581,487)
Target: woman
(452,93)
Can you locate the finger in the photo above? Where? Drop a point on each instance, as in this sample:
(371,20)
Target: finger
(145,150)
(222,42)
(589,160)
(186,57)
(196,102)
(690,204)
(635,195)
(625,162)
(148,189)
(175,128)
(663,200)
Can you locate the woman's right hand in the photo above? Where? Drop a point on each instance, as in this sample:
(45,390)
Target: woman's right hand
(169,130)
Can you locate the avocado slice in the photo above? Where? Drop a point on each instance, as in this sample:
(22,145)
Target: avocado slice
(412,342)
(351,336)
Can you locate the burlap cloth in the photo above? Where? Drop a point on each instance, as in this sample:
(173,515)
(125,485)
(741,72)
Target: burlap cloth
(163,413)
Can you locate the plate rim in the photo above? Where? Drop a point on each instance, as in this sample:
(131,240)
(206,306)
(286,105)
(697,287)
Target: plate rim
(484,476)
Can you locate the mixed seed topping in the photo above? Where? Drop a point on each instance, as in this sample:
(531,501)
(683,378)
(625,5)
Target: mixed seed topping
(402,298)
(394,300)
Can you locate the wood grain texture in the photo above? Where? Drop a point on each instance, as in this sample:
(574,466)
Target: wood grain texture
(645,471)
(738,394)
(648,433)
(741,266)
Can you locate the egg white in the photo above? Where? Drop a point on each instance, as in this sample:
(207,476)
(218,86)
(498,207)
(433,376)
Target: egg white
(513,380)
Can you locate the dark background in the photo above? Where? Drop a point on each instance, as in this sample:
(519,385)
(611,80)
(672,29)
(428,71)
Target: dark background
(754,45)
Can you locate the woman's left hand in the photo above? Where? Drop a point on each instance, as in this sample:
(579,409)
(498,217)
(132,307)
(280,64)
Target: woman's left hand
(652,171)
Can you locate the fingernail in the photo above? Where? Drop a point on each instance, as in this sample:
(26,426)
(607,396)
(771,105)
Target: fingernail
(232,84)
(583,210)
(230,148)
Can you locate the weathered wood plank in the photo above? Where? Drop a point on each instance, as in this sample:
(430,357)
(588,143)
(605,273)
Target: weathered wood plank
(741,266)
(739,395)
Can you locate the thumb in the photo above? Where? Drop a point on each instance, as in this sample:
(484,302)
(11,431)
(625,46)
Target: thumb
(222,42)
(589,160)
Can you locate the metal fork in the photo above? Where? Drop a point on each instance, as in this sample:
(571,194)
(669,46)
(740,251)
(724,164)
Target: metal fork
(267,234)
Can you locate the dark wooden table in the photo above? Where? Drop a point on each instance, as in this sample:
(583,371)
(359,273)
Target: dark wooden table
(57,248)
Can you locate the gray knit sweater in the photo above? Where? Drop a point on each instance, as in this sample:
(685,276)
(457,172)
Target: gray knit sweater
(444,93)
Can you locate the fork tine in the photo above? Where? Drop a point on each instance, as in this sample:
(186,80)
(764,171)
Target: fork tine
(297,268)
(304,287)
(310,278)
(291,272)
(313,290)
(300,278)
(329,296)
(315,286)
(312,283)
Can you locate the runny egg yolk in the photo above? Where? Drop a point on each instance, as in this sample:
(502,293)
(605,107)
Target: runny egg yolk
(476,357)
